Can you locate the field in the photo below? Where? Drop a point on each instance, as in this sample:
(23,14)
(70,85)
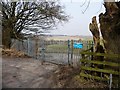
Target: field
(63,48)
(65,38)
(56,48)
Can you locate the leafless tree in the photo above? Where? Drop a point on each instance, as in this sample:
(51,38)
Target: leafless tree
(20,15)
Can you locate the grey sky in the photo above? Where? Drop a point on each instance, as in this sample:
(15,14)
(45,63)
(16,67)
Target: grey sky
(79,22)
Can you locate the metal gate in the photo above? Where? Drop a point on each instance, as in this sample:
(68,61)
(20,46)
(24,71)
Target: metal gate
(60,52)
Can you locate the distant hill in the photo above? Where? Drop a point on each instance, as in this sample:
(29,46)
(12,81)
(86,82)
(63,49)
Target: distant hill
(67,37)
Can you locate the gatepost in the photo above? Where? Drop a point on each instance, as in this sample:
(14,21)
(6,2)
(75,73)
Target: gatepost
(69,52)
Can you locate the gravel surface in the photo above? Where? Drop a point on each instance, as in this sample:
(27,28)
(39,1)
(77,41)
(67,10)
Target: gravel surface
(26,73)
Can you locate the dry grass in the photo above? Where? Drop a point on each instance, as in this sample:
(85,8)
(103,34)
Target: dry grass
(13,53)
(68,77)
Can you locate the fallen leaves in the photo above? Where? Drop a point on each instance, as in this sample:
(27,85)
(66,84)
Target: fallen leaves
(13,53)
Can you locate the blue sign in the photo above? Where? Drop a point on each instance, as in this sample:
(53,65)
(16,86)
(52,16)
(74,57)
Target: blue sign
(78,45)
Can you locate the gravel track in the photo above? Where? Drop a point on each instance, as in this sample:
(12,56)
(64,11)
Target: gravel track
(26,73)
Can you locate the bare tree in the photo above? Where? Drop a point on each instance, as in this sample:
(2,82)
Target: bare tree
(19,16)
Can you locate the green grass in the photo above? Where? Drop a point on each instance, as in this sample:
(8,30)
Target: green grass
(57,48)
(63,48)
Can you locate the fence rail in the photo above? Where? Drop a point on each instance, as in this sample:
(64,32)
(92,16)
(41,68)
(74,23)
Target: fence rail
(101,54)
(108,69)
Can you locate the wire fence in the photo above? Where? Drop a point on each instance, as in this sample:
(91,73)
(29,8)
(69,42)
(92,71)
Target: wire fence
(27,46)
(59,51)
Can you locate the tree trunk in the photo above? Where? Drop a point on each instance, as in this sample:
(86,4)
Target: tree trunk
(95,32)
(6,37)
(97,47)
(110,27)
(7,32)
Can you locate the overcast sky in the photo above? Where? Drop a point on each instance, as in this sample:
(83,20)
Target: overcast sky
(79,22)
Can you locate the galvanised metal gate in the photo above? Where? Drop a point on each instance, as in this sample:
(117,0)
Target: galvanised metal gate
(61,52)
(53,51)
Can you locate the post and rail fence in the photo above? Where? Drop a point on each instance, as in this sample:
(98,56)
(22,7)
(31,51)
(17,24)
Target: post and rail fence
(107,70)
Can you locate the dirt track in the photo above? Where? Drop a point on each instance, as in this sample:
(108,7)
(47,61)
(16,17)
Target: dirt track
(26,73)
(29,73)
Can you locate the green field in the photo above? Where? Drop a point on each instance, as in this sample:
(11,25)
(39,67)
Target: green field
(57,48)
(60,48)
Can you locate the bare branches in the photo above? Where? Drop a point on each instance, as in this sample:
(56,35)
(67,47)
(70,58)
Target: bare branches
(83,3)
(86,7)
(45,14)
(20,15)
